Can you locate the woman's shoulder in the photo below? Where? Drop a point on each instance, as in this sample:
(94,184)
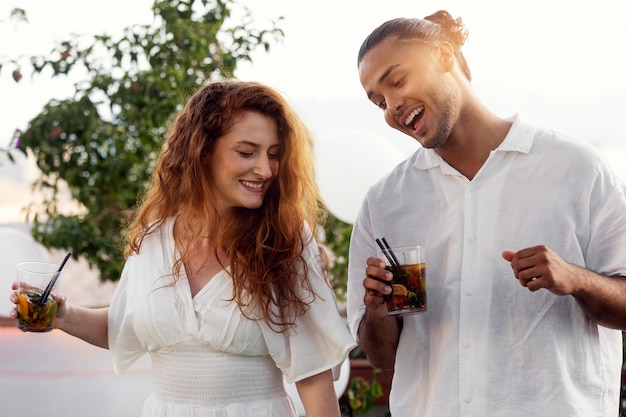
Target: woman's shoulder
(158,234)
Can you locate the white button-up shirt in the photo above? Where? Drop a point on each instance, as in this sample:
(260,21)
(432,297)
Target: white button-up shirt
(488,346)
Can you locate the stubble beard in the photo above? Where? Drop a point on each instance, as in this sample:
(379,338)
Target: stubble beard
(442,133)
(445,121)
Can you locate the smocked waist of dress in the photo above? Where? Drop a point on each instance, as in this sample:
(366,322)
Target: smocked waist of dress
(193,374)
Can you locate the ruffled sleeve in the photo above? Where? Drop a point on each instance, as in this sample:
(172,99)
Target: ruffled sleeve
(147,311)
(320,340)
(124,346)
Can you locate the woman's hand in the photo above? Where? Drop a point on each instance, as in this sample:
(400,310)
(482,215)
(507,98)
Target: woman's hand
(61,303)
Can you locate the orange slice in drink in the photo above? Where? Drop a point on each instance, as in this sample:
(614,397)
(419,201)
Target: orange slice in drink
(399,289)
(22,305)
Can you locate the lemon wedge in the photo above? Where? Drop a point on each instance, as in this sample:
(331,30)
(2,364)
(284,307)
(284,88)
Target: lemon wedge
(399,289)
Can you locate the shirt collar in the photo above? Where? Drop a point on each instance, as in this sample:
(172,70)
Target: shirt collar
(519,139)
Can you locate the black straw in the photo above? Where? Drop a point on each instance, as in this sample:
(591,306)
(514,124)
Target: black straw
(387,252)
(393,255)
(53,281)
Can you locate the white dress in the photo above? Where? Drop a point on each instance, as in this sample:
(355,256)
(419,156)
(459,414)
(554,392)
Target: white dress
(208,360)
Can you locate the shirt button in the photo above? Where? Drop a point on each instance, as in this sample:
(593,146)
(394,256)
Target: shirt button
(467,399)
(468,292)
(467,345)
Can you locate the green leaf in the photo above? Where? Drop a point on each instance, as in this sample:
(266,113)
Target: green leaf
(17,75)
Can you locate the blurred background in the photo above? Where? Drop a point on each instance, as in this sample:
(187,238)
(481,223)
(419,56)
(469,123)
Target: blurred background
(559,63)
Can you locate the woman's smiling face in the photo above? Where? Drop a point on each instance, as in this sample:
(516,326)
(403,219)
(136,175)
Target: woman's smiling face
(245,161)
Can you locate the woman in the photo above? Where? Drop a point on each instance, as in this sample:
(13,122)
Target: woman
(224,283)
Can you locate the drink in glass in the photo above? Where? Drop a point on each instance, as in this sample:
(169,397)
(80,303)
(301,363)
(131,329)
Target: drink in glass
(408,285)
(33,314)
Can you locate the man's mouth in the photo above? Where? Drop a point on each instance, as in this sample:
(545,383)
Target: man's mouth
(413,115)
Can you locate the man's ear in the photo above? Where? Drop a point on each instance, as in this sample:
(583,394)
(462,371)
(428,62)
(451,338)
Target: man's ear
(446,55)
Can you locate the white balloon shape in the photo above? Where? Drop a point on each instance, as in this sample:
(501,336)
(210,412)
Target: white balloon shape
(348,164)
(16,246)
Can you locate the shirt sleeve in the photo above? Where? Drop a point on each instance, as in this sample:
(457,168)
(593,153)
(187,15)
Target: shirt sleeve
(361,247)
(124,346)
(320,340)
(607,222)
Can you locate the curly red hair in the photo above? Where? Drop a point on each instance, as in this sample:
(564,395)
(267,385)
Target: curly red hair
(265,245)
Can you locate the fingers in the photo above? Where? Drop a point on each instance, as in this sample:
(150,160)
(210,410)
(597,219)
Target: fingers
(528,265)
(529,274)
(533,283)
(376,287)
(13,299)
(377,278)
(534,267)
(508,255)
(61,301)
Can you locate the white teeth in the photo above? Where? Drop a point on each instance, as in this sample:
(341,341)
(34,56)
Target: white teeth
(252,184)
(412,116)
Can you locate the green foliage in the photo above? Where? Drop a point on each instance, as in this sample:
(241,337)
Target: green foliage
(13,146)
(362,393)
(337,239)
(98,147)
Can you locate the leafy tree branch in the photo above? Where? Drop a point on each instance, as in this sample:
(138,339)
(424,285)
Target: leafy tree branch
(98,147)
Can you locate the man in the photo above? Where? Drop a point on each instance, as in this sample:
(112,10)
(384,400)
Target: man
(525,237)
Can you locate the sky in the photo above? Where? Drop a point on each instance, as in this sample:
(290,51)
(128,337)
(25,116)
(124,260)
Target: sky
(560,63)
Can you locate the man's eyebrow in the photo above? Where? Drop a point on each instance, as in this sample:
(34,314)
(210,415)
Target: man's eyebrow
(383,77)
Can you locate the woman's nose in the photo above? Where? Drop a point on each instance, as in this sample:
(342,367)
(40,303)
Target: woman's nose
(263,167)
